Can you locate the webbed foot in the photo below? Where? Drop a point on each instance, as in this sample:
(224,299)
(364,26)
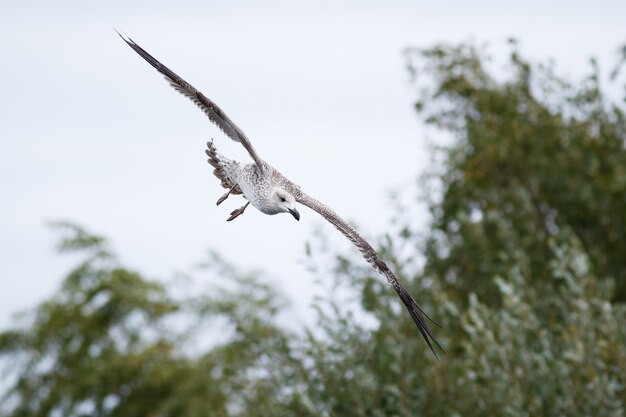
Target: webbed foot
(238,212)
(225,196)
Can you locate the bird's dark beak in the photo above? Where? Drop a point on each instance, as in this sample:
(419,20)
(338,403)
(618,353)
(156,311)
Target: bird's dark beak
(295,214)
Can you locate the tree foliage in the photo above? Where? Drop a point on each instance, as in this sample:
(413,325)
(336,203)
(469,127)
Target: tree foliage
(112,343)
(523,272)
(533,154)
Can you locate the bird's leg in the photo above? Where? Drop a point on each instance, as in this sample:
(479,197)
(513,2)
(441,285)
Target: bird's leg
(237,213)
(225,196)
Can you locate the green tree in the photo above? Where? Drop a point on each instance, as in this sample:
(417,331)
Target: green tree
(533,154)
(111,343)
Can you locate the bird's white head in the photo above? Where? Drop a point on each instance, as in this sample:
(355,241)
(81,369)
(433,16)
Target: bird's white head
(285,202)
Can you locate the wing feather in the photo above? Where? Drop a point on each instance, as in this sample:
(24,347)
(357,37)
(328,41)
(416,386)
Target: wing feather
(370,255)
(212,110)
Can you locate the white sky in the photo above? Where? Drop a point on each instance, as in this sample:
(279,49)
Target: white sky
(91,133)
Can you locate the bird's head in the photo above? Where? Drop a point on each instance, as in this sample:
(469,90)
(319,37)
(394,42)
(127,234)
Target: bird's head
(285,202)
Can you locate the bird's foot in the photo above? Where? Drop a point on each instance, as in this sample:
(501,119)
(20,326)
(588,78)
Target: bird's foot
(222,198)
(225,196)
(238,212)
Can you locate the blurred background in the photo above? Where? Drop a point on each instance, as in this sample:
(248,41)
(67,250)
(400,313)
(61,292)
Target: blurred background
(479,146)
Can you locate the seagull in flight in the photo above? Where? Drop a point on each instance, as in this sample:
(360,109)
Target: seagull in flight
(270,192)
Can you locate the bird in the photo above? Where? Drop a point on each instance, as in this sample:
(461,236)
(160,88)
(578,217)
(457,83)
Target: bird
(271,193)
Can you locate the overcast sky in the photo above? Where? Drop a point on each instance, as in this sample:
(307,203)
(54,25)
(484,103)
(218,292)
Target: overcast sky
(91,133)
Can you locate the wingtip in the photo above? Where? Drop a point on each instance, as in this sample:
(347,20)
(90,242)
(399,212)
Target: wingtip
(118,33)
(430,339)
(418,315)
(124,37)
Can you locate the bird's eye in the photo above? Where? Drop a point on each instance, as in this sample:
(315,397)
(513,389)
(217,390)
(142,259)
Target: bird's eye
(283,199)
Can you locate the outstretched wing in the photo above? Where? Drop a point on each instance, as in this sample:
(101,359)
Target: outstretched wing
(372,257)
(215,114)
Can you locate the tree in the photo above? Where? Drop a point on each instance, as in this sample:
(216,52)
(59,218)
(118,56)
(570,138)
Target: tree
(111,343)
(534,154)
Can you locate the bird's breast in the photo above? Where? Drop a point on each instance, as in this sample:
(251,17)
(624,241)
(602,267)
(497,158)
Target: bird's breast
(257,189)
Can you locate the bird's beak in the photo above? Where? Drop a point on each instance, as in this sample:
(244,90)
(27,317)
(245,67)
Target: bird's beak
(295,214)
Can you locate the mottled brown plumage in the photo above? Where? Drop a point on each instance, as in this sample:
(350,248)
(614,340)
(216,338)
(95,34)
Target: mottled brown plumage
(216,162)
(271,193)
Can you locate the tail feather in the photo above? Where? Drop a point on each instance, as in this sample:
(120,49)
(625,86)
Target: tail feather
(217,161)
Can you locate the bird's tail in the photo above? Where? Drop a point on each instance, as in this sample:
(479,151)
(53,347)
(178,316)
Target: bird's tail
(217,161)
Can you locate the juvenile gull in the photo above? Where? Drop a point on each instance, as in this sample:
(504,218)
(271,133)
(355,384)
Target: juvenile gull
(270,192)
